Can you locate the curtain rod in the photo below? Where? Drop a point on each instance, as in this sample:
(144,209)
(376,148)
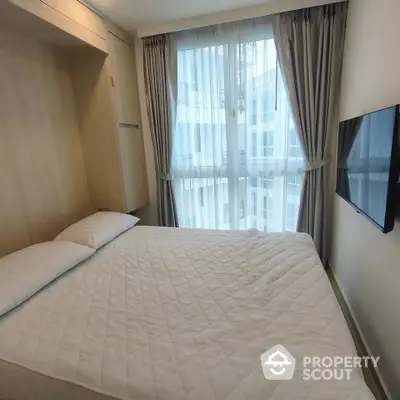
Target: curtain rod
(268,8)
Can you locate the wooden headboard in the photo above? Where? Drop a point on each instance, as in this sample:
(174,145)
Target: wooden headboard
(43,186)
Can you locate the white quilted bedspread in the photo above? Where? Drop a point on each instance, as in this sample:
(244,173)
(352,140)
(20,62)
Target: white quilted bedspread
(176,314)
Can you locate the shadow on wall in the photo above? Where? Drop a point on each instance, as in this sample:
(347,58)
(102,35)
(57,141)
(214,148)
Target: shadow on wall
(148,215)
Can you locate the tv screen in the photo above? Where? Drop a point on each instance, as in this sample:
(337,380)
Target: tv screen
(367,165)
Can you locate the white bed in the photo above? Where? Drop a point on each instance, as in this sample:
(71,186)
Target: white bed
(173,314)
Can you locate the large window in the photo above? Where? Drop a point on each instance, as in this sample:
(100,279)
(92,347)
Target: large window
(268,105)
(265,207)
(193,79)
(268,144)
(291,219)
(235,146)
(294,183)
(197,140)
(294,146)
(267,183)
(201,196)
(254,144)
(254,195)
(253,114)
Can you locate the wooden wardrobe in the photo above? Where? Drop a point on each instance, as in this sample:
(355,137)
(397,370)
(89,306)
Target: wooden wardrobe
(70,123)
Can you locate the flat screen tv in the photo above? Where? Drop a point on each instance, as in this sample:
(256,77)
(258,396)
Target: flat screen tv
(368,168)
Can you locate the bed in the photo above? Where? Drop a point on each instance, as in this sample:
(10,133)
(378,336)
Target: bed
(163,313)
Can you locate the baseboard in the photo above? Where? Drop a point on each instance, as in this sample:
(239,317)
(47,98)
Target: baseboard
(372,376)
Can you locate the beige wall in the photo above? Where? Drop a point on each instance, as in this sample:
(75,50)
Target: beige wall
(366,262)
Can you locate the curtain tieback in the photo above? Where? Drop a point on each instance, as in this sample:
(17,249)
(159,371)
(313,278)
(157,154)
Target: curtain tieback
(165,176)
(314,165)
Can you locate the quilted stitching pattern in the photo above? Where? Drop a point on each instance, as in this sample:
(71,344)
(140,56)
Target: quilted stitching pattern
(174,314)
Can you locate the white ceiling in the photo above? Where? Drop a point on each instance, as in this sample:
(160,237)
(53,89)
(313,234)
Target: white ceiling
(131,14)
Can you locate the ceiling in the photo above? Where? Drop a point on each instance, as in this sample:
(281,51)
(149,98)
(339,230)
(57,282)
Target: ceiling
(131,14)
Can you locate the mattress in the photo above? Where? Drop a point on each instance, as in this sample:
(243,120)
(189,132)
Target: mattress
(162,313)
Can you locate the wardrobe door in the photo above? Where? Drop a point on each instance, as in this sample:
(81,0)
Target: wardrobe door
(124,80)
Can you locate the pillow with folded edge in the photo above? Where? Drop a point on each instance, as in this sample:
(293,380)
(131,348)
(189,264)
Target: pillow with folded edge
(26,272)
(98,229)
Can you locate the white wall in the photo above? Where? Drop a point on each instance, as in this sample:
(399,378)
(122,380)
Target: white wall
(366,262)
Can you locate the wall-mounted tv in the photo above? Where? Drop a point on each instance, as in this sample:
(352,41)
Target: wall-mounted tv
(368,168)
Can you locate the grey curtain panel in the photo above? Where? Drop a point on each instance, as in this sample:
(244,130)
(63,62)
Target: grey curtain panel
(161,93)
(310,50)
(347,135)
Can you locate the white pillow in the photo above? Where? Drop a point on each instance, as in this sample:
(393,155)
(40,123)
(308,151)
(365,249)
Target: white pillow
(24,273)
(98,229)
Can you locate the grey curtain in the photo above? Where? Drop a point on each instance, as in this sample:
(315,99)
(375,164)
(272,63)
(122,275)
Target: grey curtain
(310,49)
(347,135)
(161,93)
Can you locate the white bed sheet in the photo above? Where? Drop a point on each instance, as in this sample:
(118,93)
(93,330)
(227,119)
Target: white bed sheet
(173,314)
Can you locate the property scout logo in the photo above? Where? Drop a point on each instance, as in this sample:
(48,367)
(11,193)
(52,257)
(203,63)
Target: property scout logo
(278,365)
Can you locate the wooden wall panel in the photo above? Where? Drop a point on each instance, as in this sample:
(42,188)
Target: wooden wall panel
(79,13)
(92,85)
(43,185)
(41,20)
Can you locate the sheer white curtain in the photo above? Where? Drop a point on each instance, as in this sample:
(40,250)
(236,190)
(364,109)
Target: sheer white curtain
(237,161)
